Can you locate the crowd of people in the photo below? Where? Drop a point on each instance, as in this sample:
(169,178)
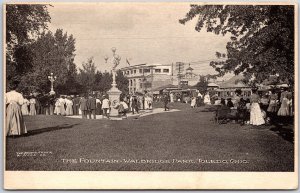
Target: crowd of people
(85,105)
(268,108)
(257,109)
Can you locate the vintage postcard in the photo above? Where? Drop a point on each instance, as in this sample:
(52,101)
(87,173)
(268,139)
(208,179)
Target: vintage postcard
(120,95)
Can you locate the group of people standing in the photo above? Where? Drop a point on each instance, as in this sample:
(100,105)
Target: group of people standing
(257,110)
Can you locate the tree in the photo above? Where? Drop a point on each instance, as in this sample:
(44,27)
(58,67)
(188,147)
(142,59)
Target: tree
(51,53)
(122,82)
(23,24)
(87,74)
(202,84)
(106,82)
(262,38)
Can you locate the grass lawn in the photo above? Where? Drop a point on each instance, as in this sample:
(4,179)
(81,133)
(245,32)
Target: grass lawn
(187,140)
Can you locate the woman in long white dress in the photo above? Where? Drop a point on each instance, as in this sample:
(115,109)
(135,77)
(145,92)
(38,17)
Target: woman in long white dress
(193,102)
(256,115)
(24,107)
(62,103)
(32,102)
(14,120)
(148,102)
(57,107)
(207,99)
(69,109)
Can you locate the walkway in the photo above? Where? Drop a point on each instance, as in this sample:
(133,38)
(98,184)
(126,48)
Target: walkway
(142,113)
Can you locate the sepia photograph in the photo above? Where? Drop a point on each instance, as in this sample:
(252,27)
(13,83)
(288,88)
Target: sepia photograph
(150,87)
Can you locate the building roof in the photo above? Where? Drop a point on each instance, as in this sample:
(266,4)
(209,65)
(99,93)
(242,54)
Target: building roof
(212,84)
(165,87)
(144,65)
(234,82)
(189,68)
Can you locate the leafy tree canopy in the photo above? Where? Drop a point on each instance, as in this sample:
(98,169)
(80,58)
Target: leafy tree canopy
(23,24)
(51,53)
(262,38)
(87,74)
(202,84)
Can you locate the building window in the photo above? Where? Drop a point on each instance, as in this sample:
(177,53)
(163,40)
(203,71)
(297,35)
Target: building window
(130,82)
(134,71)
(158,70)
(147,70)
(128,72)
(141,71)
(131,71)
(166,70)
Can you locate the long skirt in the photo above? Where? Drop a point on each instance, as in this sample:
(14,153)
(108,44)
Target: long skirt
(284,108)
(14,120)
(32,109)
(51,109)
(98,109)
(69,110)
(256,116)
(57,110)
(62,110)
(272,106)
(24,109)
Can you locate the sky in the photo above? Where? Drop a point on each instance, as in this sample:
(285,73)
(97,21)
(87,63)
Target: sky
(141,32)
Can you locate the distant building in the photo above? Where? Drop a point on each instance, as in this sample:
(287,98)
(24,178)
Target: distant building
(189,78)
(212,86)
(149,77)
(227,88)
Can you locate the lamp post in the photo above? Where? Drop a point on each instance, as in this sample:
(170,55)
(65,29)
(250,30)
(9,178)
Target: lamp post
(52,79)
(114,92)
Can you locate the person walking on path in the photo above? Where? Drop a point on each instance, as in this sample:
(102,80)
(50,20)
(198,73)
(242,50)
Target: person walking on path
(135,105)
(14,120)
(83,107)
(91,106)
(166,101)
(105,107)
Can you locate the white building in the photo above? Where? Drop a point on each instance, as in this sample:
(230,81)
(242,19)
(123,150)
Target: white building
(148,77)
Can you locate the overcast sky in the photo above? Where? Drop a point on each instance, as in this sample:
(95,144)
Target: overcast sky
(143,33)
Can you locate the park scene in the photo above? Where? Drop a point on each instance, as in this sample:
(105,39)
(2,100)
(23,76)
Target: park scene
(149,87)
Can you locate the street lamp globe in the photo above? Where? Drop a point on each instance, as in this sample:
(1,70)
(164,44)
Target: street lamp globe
(113,49)
(117,57)
(105,58)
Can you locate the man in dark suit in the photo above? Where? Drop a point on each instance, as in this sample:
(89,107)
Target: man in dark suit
(91,106)
(166,101)
(76,101)
(83,106)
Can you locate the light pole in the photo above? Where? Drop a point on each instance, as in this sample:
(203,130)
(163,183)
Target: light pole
(52,79)
(114,92)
